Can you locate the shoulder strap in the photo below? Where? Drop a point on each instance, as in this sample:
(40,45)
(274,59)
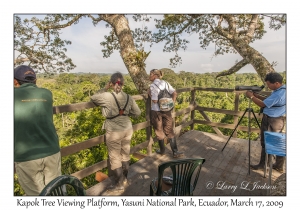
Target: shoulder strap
(156,86)
(120,110)
(116,100)
(168,87)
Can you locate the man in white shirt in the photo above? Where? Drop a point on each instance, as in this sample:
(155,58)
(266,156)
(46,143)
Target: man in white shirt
(162,121)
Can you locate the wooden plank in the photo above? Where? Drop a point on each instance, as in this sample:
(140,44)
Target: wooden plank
(181,90)
(138,155)
(141,125)
(149,128)
(81,146)
(183,111)
(213,127)
(193,103)
(178,128)
(224,111)
(139,147)
(90,170)
(236,109)
(214,89)
(73,107)
(230,126)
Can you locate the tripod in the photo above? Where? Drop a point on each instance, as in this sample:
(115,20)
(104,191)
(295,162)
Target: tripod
(249,110)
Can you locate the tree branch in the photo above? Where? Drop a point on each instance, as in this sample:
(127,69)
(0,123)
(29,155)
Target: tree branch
(95,19)
(234,69)
(76,18)
(231,23)
(178,32)
(276,18)
(252,27)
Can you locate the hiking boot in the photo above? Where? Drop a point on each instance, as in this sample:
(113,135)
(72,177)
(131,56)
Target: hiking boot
(162,148)
(173,145)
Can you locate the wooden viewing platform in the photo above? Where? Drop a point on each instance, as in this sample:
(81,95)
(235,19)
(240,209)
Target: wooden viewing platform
(227,170)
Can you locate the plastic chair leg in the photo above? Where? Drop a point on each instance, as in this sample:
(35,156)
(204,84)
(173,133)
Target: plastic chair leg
(266,165)
(270,176)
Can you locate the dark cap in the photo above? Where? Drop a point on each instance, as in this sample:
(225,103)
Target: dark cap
(24,73)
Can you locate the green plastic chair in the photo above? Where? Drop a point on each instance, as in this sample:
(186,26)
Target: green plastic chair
(57,187)
(180,183)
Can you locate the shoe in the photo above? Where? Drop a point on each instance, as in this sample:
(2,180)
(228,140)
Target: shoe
(173,145)
(258,166)
(261,164)
(280,170)
(118,185)
(125,167)
(162,148)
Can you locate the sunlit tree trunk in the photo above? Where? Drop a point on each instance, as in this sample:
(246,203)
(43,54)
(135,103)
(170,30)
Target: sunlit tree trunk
(128,51)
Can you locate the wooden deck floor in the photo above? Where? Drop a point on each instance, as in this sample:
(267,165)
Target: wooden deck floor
(223,173)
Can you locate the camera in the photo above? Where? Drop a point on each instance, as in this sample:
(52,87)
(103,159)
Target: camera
(254,88)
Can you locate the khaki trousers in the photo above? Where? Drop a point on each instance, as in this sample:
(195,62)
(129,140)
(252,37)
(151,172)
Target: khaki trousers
(34,175)
(118,146)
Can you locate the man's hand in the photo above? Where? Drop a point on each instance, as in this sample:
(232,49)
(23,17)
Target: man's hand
(249,94)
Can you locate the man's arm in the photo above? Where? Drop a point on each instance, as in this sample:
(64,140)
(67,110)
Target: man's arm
(98,98)
(260,97)
(174,96)
(255,99)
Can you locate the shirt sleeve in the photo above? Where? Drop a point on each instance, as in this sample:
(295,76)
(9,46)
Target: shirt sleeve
(154,92)
(99,98)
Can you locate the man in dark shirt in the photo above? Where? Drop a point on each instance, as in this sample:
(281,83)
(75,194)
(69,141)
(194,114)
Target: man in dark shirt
(36,146)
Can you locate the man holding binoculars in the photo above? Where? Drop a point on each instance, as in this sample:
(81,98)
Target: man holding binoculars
(274,109)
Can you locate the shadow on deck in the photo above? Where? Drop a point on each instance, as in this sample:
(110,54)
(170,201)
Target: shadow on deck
(223,174)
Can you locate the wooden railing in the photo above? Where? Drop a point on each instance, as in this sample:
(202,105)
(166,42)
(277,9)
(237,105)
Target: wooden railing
(186,112)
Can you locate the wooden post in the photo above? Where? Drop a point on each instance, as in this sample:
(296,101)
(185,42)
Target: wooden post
(236,109)
(192,112)
(149,128)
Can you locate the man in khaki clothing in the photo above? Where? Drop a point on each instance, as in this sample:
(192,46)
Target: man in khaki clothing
(117,106)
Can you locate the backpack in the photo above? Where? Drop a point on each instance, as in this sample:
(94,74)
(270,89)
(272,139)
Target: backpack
(121,111)
(165,101)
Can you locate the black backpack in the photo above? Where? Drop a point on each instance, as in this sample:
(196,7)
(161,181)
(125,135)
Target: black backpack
(121,111)
(165,100)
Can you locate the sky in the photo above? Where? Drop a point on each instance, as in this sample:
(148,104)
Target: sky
(268,47)
(85,50)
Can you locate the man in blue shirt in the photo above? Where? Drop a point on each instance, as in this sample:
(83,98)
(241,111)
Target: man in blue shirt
(274,109)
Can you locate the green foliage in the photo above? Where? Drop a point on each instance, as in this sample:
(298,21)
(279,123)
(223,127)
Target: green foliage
(40,47)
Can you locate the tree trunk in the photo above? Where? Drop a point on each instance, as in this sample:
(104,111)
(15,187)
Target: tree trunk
(128,51)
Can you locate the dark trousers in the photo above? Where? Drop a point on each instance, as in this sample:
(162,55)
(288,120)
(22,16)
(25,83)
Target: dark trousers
(162,123)
(273,124)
